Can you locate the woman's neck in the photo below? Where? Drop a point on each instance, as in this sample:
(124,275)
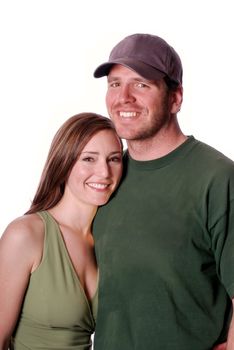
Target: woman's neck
(77,216)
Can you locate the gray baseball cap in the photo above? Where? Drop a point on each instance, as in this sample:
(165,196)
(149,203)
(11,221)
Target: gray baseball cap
(149,55)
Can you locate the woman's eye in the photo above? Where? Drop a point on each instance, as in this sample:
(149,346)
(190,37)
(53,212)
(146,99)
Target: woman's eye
(115,159)
(88,159)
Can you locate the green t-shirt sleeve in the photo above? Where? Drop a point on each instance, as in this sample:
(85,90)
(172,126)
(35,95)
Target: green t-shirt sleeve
(221,227)
(225,251)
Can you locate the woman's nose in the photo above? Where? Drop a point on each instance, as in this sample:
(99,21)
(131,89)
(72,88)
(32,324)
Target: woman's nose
(103,169)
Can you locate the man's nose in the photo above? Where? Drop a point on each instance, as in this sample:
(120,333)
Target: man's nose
(126,95)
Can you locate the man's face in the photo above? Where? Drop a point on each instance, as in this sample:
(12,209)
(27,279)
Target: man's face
(139,108)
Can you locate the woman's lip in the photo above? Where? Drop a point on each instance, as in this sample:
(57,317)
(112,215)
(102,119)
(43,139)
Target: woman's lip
(97,185)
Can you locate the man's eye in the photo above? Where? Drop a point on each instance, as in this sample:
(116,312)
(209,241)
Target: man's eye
(114,84)
(141,85)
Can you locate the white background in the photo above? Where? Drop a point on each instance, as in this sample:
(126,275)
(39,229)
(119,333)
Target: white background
(50,48)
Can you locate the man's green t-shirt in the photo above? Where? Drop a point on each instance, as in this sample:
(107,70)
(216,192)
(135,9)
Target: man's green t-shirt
(165,249)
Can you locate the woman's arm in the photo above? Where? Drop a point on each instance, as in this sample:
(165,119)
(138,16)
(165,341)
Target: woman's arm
(230,340)
(229,345)
(21,247)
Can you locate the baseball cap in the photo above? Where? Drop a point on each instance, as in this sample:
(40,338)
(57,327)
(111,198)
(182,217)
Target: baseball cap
(149,55)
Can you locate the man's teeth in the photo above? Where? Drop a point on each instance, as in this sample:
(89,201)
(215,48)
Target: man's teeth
(97,185)
(127,114)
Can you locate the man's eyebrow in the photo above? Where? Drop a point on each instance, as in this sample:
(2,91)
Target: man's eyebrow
(110,78)
(136,79)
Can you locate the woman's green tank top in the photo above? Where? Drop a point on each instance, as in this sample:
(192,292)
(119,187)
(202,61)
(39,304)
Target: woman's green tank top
(56,313)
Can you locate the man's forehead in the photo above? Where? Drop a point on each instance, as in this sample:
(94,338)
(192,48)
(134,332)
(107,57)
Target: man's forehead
(120,71)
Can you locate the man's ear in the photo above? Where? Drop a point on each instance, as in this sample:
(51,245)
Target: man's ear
(176,99)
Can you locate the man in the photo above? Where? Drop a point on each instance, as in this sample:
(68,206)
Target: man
(165,242)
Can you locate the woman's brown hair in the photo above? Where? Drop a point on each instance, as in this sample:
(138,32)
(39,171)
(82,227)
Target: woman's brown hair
(66,147)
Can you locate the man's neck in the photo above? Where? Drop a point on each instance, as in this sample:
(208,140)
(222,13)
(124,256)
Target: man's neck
(156,147)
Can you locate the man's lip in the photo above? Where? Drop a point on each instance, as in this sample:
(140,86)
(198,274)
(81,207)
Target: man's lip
(127,114)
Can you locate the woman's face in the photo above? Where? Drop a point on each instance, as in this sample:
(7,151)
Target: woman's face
(98,170)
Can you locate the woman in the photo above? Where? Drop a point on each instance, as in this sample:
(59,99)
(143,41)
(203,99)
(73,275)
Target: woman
(48,272)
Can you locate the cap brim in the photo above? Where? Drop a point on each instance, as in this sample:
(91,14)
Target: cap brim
(143,69)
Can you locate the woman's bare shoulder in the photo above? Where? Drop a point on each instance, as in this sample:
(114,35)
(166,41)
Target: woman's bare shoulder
(26,229)
(26,224)
(24,234)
